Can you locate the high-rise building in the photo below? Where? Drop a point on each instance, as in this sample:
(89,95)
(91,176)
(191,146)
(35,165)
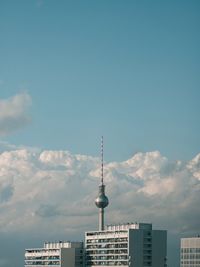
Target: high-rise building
(190,252)
(58,254)
(134,245)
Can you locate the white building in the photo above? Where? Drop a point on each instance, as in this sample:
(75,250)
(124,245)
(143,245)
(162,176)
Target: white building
(134,245)
(57,254)
(190,252)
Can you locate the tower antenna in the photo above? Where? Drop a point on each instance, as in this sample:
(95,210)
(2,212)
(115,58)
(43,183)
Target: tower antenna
(102,160)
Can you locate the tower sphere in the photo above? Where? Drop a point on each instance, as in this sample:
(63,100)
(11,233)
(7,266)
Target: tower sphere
(102,201)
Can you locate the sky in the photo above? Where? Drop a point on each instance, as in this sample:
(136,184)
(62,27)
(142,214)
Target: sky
(71,71)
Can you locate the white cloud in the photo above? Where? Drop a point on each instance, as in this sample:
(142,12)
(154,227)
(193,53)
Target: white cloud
(50,194)
(14,113)
(37,186)
(194,166)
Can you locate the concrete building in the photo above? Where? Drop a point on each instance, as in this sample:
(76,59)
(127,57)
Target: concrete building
(58,254)
(190,252)
(134,245)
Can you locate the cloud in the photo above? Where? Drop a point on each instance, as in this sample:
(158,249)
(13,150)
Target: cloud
(38,187)
(35,185)
(13,113)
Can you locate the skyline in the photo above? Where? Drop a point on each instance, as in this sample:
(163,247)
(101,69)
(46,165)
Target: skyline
(72,72)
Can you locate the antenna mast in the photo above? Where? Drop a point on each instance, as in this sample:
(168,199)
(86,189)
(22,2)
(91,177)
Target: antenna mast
(102,160)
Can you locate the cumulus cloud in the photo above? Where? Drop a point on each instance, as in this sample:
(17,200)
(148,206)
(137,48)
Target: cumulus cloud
(36,185)
(14,113)
(51,193)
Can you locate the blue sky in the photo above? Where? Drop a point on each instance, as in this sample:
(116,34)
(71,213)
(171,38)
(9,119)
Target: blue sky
(126,69)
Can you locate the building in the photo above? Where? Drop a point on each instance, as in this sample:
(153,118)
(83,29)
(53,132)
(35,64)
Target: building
(58,254)
(134,245)
(190,252)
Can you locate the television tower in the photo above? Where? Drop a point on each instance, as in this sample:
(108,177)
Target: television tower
(102,200)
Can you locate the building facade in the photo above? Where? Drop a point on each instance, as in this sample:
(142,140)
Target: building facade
(57,254)
(133,245)
(190,252)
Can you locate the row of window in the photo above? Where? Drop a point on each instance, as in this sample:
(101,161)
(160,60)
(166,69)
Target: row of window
(116,252)
(147,258)
(147,240)
(147,245)
(28,265)
(43,258)
(107,246)
(147,264)
(121,251)
(107,263)
(191,262)
(42,250)
(107,232)
(190,256)
(107,240)
(190,250)
(124,257)
(35,263)
(146,251)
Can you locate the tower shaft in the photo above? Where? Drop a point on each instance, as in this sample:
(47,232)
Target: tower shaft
(101,219)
